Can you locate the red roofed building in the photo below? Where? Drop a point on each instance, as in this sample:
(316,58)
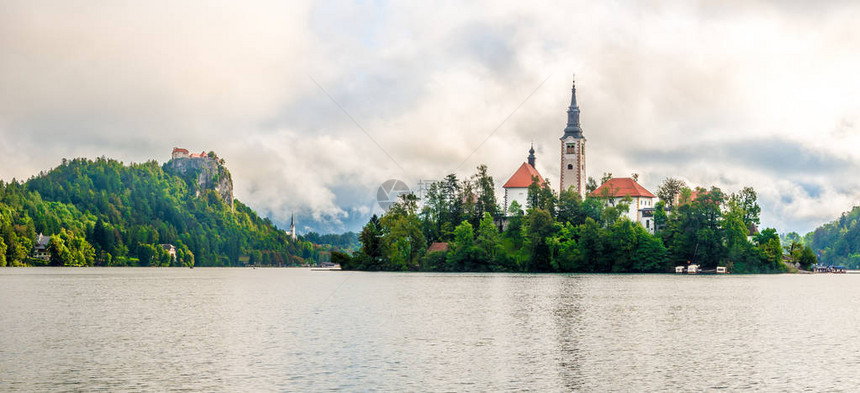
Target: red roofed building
(179,152)
(642,201)
(517,187)
(438,247)
(695,194)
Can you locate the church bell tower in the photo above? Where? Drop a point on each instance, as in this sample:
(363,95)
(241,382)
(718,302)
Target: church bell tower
(573,150)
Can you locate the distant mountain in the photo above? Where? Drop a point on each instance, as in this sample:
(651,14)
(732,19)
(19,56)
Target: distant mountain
(103,212)
(838,242)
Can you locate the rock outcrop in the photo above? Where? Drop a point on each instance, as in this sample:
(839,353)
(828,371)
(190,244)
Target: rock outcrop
(204,173)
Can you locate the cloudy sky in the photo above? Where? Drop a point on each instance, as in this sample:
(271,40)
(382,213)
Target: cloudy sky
(732,94)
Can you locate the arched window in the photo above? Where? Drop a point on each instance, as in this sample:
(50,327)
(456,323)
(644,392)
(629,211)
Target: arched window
(569,166)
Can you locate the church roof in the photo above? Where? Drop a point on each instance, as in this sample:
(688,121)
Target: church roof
(621,187)
(522,178)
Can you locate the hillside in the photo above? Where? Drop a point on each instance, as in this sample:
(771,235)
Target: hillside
(838,242)
(103,212)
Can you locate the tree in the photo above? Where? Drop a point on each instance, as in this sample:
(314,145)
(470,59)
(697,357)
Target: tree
(607,176)
(569,256)
(488,241)
(768,245)
(2,253)
(661,217)
(590,185)
(541,196)
(806,259)
(650,254)
(370,255)
(569,209)
(540,229)
(514,231)
(591,247)
(669,189)
(515,209)
(622,242)
(69,250)
(462,250)
(486,190)
(745,200)
(402,241)
(147,255)
(340,258)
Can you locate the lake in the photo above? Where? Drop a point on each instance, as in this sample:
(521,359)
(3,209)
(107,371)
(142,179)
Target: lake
(222,329)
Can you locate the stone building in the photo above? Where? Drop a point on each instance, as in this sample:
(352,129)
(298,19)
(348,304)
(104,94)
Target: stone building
(573,150)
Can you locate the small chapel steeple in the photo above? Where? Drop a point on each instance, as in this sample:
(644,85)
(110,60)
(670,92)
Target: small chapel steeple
(293,226)
(532,155)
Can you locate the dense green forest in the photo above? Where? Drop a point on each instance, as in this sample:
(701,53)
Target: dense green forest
(105,213)
(565,233)
(345,242)
(838,242)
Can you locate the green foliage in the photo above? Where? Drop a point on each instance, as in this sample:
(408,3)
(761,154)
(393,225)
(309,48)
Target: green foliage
(462,256)
(539,231)
(669,190)
(102,212)
(340,258)
(340,242)
(565,233)
(801,255)
(838,242)
(70,250)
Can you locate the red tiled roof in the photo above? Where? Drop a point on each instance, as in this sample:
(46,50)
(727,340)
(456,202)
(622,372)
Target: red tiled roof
(621,187)
(438,247)
(696,195)
(522,178)
(180,150)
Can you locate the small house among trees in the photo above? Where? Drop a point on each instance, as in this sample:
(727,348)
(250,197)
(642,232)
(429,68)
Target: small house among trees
(40,249)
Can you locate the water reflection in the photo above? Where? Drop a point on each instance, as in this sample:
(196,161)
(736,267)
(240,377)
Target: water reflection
(296,330)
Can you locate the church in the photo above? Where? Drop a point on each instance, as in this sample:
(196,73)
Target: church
(572,175)
(572,172)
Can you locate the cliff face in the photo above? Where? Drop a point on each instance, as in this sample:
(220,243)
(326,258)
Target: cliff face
(204,173)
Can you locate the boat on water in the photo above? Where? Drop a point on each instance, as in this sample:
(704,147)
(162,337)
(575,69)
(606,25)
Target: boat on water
(697,269)
(829,269)
(326,267)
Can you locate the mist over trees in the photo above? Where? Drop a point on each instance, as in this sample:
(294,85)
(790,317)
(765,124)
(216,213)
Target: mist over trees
(564,232)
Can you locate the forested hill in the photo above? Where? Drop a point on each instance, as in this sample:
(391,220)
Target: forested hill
(103,212)
(838,242)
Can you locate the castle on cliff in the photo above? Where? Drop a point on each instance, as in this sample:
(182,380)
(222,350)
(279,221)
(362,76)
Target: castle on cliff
(205,171)
(179,152)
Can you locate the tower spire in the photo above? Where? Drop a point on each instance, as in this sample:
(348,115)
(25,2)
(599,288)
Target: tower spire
(532,155)
(292,226)
(573,128)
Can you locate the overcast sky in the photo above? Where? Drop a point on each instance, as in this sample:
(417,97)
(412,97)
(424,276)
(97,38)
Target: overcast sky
(732,94)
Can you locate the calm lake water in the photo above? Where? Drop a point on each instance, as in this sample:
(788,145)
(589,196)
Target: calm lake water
(119,329)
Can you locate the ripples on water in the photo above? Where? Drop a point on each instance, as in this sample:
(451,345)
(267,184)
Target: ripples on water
(69,329)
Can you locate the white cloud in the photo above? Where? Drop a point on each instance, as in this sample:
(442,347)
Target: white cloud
(429,82)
